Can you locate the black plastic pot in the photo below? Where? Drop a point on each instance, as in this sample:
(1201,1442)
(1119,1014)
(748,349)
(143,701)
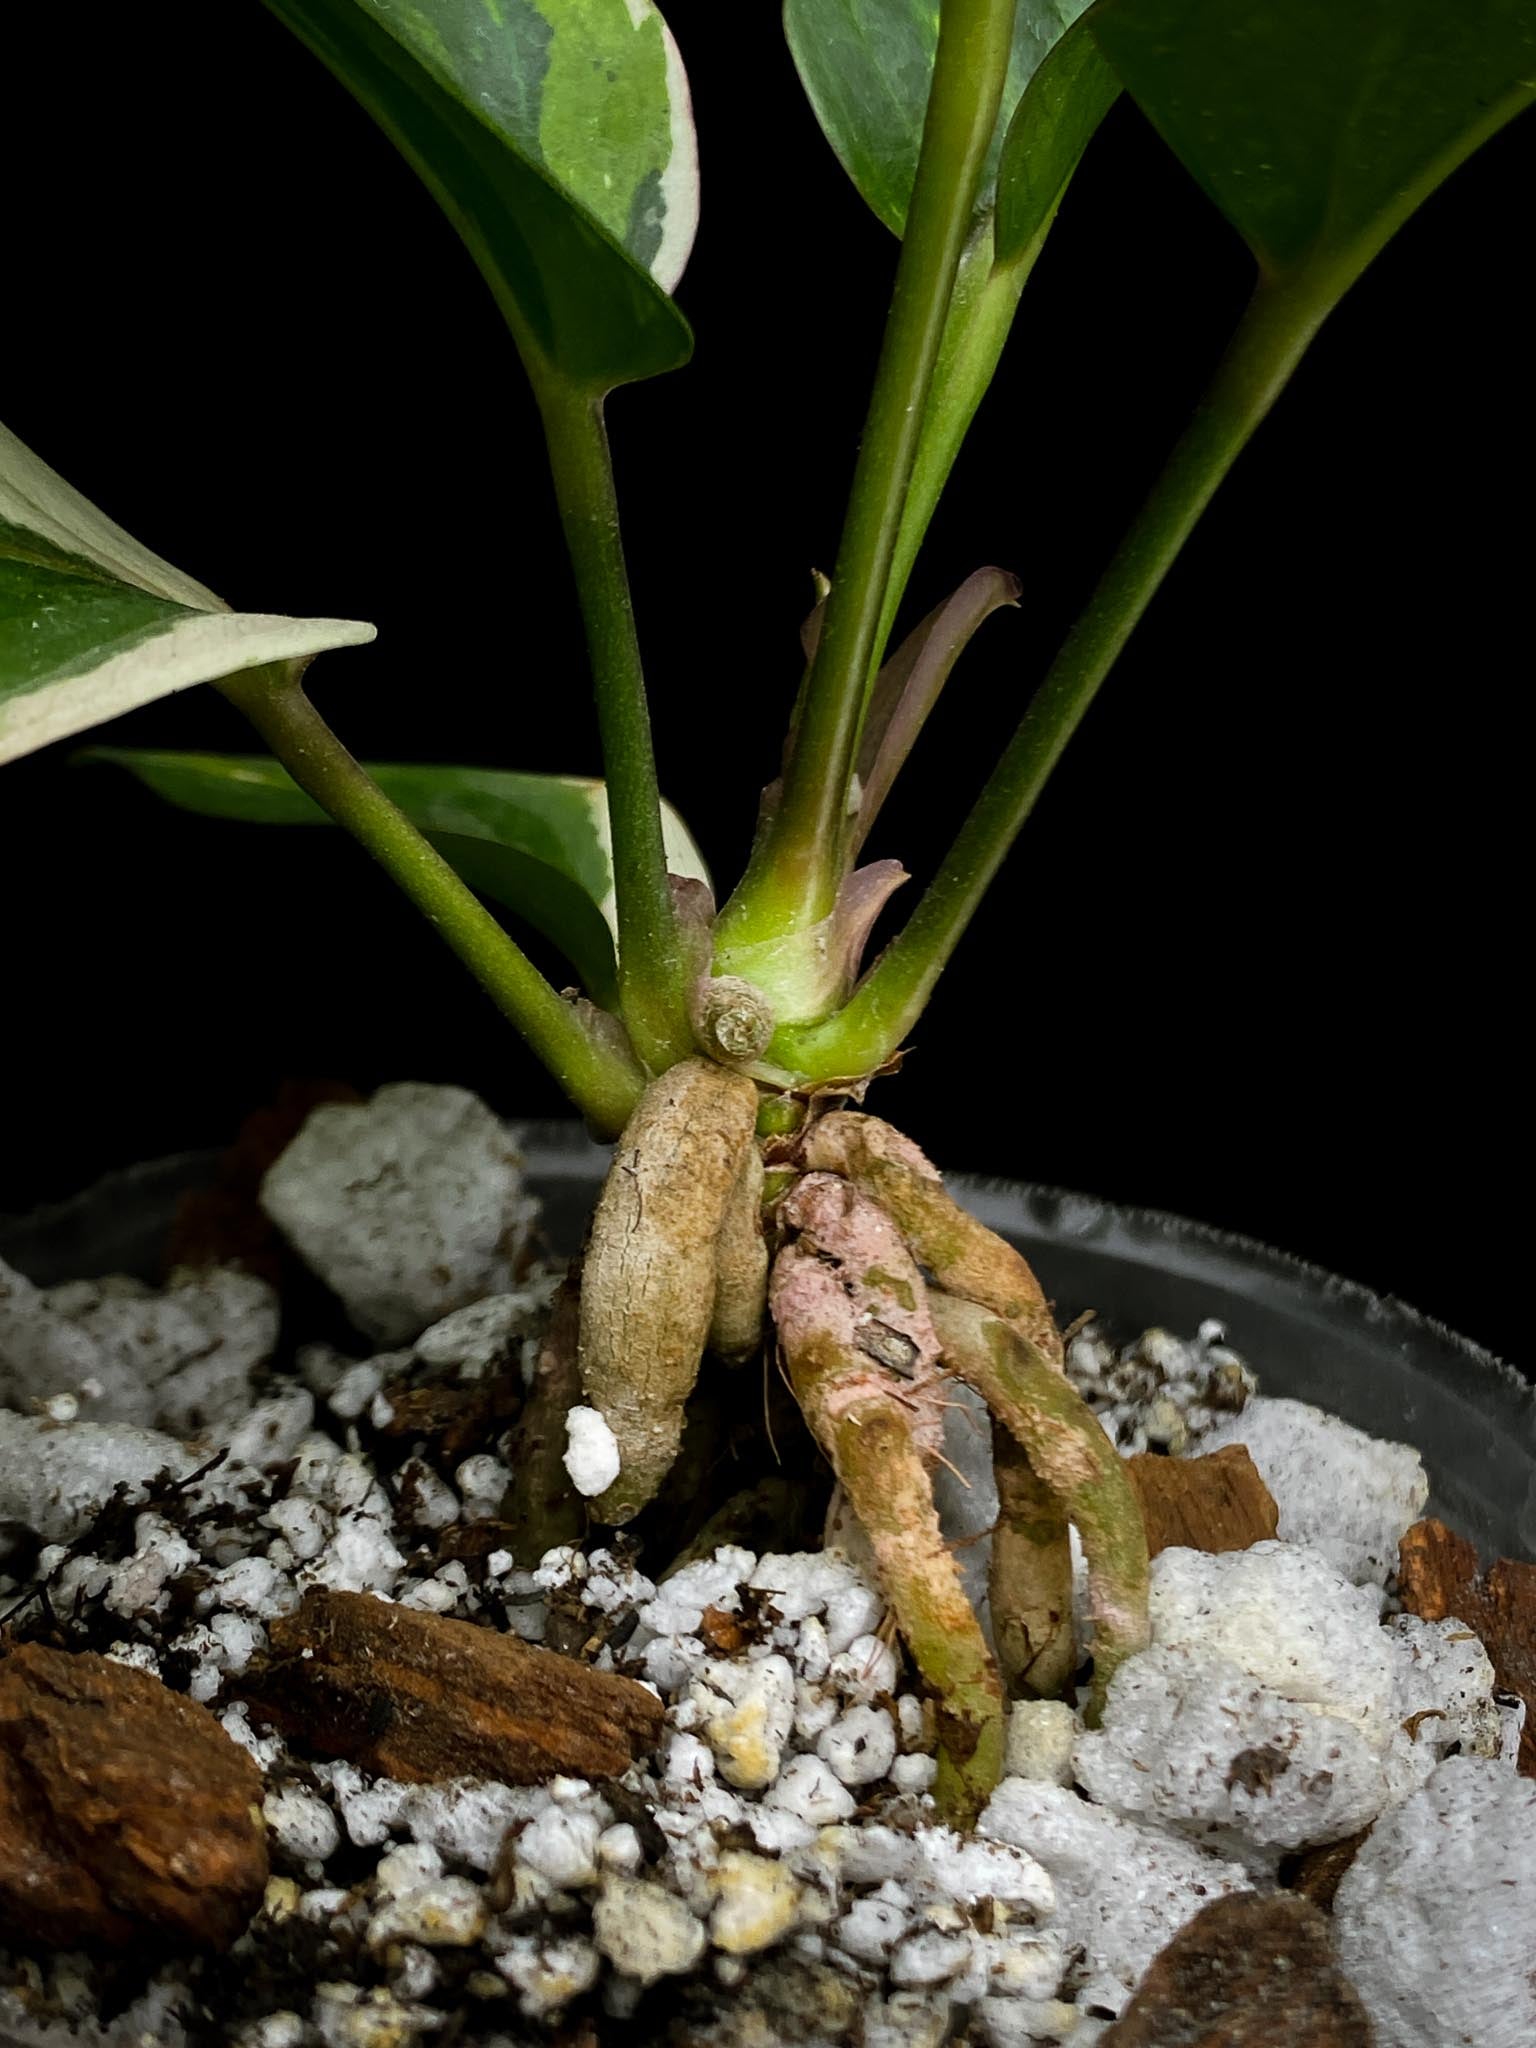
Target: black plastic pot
(1373,1361)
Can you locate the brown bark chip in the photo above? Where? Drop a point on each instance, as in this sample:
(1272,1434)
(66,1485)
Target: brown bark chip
(126,1813)
(1217,1502)
(1438,1578)
(1318,1873)
(417,1697)
(1247,1972)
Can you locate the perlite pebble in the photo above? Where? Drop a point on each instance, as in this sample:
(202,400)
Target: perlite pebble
(647,1933)
(55,1480)
(446,1912)
(1040,1737)
(1445,1684)
(929,1956)
(1191,1742)
(1435,1920)
(1122,1890)
(747,1711)
(180,1359)
(483,1334)
(808,1789)
(548,1973)
(302,1825)
(562,1846)
(273,1430)
(871,1928)
(1286,1617)
(678,1604)
(860,1745)
(757,1902)
(1347,1494)
(408,1206)
(968,1870)
(591,1454)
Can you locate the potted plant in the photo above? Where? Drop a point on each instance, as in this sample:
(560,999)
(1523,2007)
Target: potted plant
(725,1041)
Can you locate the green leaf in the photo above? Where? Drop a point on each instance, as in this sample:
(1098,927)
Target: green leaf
(538,845)
(93,625)
(1318,126)
(867,65)
(557,137)
(1055,121)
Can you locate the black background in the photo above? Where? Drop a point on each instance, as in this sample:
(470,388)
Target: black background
(1257,957)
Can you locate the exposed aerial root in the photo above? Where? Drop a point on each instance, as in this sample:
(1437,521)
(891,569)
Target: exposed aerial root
(741,1266)
(1031,1569)
(1072,1455)
(649,1282)
(879,1424)
(962,1255)
(1030,1576)
(540,1503)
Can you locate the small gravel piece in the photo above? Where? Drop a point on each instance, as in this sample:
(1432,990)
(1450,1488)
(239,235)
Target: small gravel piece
(1285,1616)
(409,1206)
(1347,1494)
(1192,1742)
(646,1932)
(757,1903)
(1435,1920)
(591,1454)
(1122,1890)
(1041,1734)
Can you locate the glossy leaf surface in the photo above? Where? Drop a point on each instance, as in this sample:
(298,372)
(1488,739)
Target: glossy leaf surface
(92,624)
(537,845)
(1054,122)
(558,138)
(867,65)
(1316,126)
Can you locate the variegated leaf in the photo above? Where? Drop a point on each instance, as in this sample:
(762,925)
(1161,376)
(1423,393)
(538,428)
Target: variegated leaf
(92,624)
(867,65)
(539,845)
(558,137)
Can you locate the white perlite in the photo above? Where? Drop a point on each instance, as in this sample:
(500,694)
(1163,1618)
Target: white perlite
(54,1480)
(1347,1494)
(1435,1921)
(781,1844)
(408,1206)
(644,1931)
(179,1359)
(1122,1890)
(1192,1742)
(1285,1616)
(591,1452)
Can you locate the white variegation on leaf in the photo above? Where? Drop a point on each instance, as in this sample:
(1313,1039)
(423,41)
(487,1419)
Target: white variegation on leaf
(92,624)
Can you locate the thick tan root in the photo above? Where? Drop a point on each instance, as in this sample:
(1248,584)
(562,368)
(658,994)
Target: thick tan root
(1070,1452)
(648,1286)
(962,1255)
(1031,1569)
(539,1501)
(1030,1576)
(741,1266)
(852,1315)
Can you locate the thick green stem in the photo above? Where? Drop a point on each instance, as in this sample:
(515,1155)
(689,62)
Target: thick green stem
(986,298)
(1269,343)
(652,974)
(796,867)
(1071,1455)
(601,1078)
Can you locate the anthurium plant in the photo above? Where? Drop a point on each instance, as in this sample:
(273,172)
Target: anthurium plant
(726,1042)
